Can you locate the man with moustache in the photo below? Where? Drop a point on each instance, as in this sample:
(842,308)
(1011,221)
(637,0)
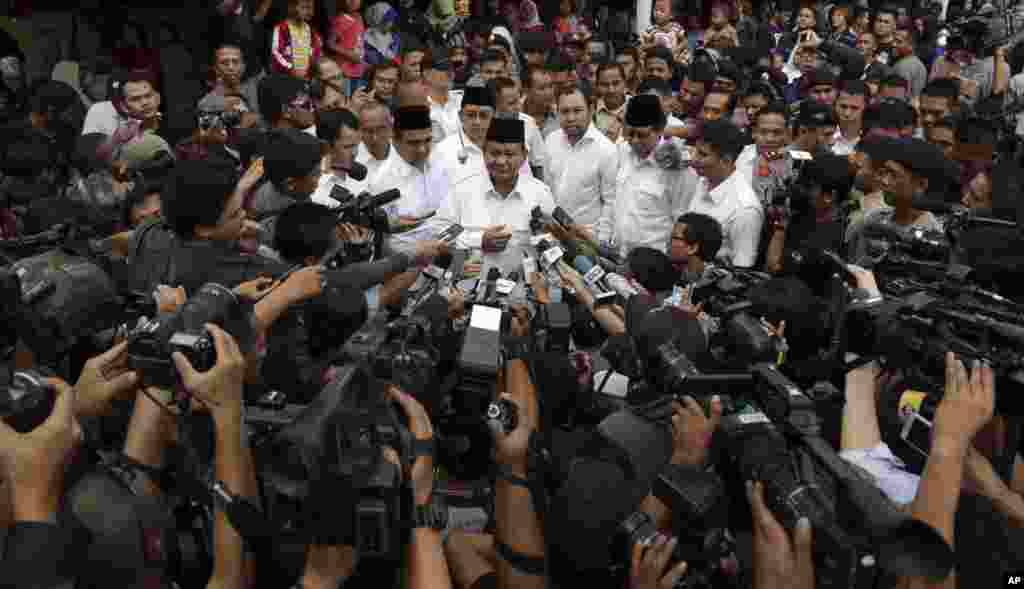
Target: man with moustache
(494,207)
(582,166)
(651,187)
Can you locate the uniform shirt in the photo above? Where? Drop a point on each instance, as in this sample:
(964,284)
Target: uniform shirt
(444,159)
(422,191)
(474,204)
(648,200)
(444,118)
(373,165)
(582,178)
(739,211)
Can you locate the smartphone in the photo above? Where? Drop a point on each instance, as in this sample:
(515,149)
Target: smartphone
(916,411)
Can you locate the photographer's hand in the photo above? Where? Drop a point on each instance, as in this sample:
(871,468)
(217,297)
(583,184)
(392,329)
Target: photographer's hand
(421,473)
(649,563)
(327,567)
(252,176)
(968,404)
(255,289)
(692,430)
(520,320)
(220,388)
(33,463)
(104,378)
(426,251)
(779,562)
(304,284)
(169,300)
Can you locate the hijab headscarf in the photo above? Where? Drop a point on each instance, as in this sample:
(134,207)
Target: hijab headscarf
(505,34)
(379,18)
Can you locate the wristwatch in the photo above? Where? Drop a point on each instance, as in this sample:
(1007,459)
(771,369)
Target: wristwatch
(431,516)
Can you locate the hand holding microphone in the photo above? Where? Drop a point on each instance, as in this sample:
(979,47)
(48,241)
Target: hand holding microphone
(495,238)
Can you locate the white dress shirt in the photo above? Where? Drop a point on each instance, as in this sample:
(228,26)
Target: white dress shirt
(444,159)
(474,204)
(739,211)
(537,150)
(444,118)
(582,179)
(421,196)
(648,200)
(373,165)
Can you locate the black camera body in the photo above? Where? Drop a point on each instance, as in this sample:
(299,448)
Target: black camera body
(151,345)
(364,210)
(227,120)
(27,401)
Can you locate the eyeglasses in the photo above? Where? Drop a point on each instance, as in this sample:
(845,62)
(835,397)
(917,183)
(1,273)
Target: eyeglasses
(480,115)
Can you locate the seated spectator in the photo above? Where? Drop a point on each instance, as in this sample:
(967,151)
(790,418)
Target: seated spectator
(133,109)
(346,44)
(382,82)
(229,71)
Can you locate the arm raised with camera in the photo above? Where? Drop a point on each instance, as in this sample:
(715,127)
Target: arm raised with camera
(611,321)
(518,537)
(220,390)
(33,465)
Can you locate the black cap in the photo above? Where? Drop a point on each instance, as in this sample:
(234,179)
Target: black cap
(814,114)
(645,111)
(535,41)
(411,118)
(505,130)
(480,96)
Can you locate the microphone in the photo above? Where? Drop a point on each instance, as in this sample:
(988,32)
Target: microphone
(621,285)
(492,283)
(357,172)
(594,277)
(950,208)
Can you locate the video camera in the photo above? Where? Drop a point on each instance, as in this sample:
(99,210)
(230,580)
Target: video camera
(364,210)
(227,120)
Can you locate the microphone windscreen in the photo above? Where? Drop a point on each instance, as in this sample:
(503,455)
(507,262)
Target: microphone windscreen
(583,264)
(493,274)
(357,172)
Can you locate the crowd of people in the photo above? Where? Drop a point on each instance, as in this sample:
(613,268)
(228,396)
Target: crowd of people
(719,137)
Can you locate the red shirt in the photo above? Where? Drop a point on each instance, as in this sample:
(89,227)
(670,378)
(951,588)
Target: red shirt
(347,33)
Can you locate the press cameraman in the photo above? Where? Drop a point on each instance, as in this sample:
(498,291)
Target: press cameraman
(357,284)
(813,218)
(292,162)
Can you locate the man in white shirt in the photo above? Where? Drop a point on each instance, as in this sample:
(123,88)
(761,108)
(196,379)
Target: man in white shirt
(339,129)
(139,110)
(582,166)
(650,194)
(507,99)
(494,207)
(377,130)
(725,194)
(444,102)
(462,153)
(410,172)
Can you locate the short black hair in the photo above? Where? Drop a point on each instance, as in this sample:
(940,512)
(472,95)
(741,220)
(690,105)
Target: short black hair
(702,73)
(196,193)
(889,113)
(853,88)
(502,83)
(831,172)
(610,65)
(976,131)
(290,153)
(659,87)
(330,123)
(943,88)
(705,231)
(652,268)
(887,9)
(773,108)
(583,89)
(276,91)
(725,137)
(304,229)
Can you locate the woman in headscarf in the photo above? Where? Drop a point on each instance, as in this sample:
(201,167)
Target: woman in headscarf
(505,34)
(380,41)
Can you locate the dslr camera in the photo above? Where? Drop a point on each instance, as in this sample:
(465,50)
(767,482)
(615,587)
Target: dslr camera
(151,345)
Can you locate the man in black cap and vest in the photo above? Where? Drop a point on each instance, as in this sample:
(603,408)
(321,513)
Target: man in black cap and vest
(494,205)
(461,153)
(651,184)
(410,172)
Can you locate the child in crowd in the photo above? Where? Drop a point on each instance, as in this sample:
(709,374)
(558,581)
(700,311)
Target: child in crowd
(665,31)
(295,45)
(347,43)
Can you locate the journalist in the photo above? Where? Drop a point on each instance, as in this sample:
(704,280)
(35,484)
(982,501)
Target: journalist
(339,130)
(291,162)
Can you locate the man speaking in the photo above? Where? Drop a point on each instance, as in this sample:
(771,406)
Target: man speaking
(494,207)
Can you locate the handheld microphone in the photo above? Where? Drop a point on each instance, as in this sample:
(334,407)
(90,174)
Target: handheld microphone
(949,208)
(549,253)
(594,277)
(357,172)
(489,287)
(562,218)
(620,285)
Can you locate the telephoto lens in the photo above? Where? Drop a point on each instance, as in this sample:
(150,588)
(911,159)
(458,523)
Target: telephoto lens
(27,401)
